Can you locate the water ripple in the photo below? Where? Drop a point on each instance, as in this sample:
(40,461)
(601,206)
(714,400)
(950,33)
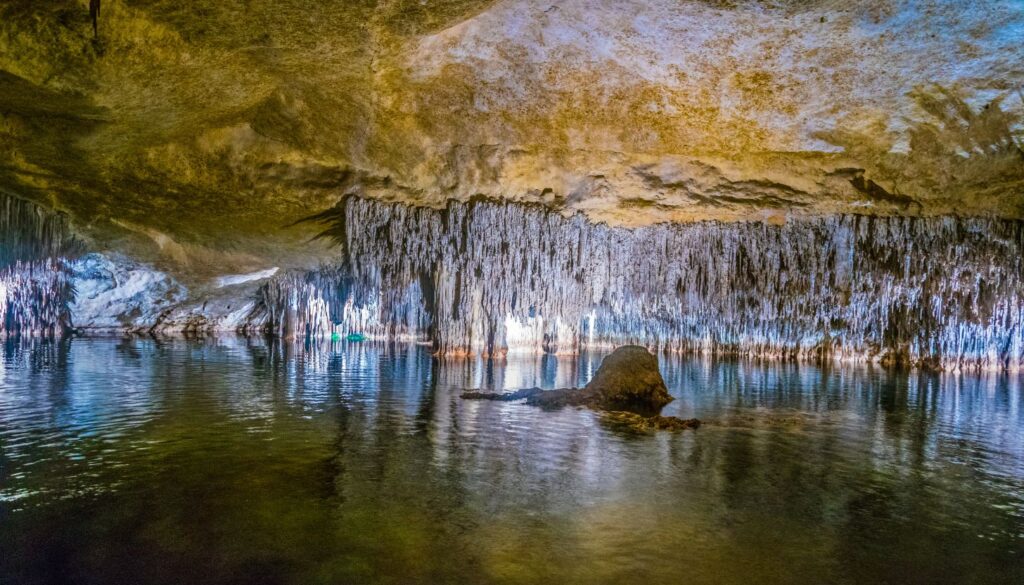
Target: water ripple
(146,461)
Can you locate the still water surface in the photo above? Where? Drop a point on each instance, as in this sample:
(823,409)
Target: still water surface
(239,461)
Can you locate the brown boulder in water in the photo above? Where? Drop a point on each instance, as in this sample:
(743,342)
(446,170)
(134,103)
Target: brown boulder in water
(629,379)
(628,387)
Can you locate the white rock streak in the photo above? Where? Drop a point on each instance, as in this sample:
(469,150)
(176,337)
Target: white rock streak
(233,279)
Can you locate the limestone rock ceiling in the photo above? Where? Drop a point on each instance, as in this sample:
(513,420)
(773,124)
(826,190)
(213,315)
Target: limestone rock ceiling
(196,132)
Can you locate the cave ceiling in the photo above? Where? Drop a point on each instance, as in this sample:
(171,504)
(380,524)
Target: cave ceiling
(199,132)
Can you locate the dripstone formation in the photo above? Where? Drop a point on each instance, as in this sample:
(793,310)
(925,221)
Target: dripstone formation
(489,277)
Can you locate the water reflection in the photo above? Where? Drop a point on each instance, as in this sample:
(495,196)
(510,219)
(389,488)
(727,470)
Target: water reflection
(234,460)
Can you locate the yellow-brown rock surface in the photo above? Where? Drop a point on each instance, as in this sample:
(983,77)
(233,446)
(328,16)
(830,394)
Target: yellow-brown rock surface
(194,133)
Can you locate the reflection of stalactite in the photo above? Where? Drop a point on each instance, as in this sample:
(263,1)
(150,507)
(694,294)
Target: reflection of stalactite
(35,286)
(485,276)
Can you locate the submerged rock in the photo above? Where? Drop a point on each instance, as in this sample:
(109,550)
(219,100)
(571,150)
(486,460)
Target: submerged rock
(563,397)
(504,396)
(628,387)
(548,399)
(634,422)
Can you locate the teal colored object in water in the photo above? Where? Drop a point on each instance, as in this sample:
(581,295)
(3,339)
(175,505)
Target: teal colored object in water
(356,337)
(335,336)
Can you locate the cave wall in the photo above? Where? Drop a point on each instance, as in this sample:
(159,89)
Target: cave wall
(487,277)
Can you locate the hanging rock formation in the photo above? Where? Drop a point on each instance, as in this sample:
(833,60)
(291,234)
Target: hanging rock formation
(489,276)
(35,283)
(34,298)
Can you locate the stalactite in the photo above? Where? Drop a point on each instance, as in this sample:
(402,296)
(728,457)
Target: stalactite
(29,232)
(34,298)
(35,286)
(320,303)
(485,276)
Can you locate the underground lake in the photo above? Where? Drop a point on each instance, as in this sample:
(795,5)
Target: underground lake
(246,461)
